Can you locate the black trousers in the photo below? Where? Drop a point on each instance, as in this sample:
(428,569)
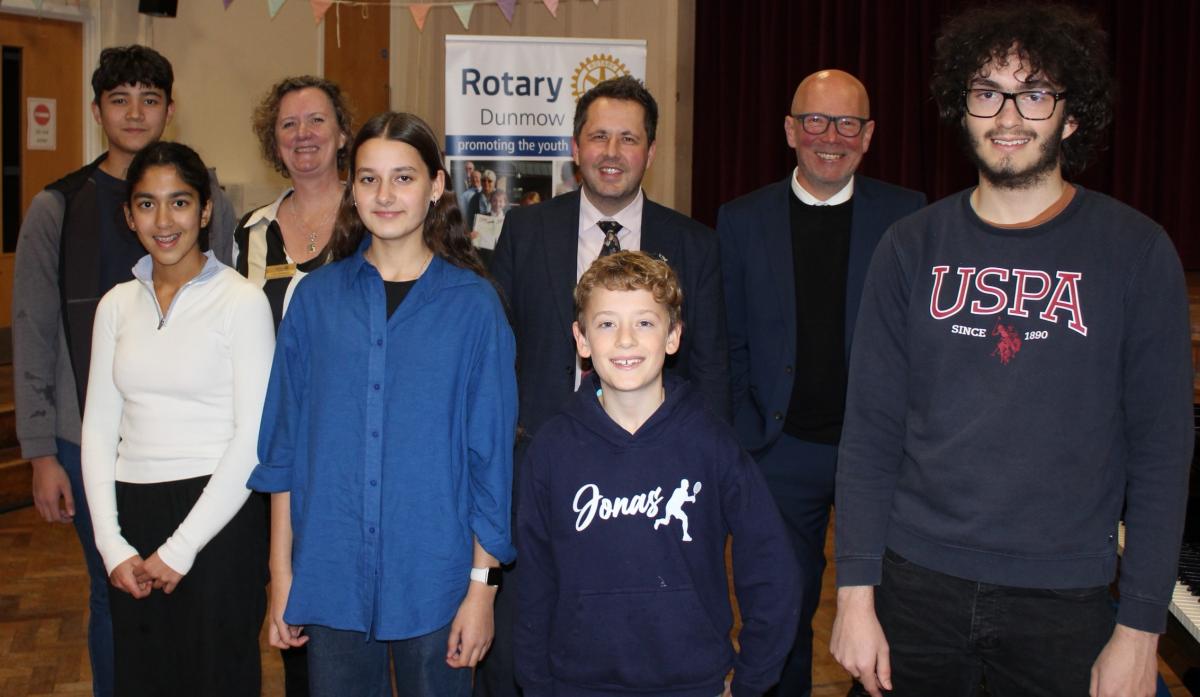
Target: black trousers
(202,639)
(948,635)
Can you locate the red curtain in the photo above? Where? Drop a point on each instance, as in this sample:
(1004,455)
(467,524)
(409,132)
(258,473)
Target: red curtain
(751,55)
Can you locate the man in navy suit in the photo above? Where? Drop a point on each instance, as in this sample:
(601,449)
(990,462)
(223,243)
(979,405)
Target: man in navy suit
(541,253)
(794,256)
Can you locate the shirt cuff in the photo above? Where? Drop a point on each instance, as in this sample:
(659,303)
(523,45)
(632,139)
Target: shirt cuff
(38,447)
(859,571)
(177,555)
(270,480)
(115,553)
(1140,614)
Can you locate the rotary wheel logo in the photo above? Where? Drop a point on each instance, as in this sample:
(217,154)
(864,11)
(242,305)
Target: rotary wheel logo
(595,70)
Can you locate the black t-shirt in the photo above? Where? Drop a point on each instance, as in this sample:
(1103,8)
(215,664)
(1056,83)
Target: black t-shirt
(397,291)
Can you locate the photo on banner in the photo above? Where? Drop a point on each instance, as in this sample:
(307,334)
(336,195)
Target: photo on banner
(510,109)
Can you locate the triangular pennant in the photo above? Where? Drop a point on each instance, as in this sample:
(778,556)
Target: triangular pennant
(319,8)
(507,7)
(596,3)
(419,13)
(463,10)
(227,3)
(552,5)
(273,7)
(37,5)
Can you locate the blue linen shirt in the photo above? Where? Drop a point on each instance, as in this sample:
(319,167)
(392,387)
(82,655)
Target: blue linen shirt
(395,438)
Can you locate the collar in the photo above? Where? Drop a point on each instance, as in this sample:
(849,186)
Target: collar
(808,199)
(271,212)
(358,265)
(143,270)
(630,217)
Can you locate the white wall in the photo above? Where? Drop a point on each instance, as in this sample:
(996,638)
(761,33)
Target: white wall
(224,61)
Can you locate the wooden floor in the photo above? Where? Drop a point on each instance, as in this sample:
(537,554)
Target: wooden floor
(43,612)
(43,618)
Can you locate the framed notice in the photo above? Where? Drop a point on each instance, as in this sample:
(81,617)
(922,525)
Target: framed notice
(42,118)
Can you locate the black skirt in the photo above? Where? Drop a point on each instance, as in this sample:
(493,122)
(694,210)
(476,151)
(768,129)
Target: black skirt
(202,639)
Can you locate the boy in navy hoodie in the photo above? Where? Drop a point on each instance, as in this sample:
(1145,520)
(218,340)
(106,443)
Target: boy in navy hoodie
(625,506)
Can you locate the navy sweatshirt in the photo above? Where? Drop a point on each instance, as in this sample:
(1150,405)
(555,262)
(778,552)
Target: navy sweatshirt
(1009,391)
(621,539)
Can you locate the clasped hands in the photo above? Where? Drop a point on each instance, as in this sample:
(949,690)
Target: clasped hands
(137,576)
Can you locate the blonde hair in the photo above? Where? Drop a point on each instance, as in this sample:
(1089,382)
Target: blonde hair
(631,271)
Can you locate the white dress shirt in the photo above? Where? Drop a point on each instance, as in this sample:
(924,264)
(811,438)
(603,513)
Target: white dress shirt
(591,239)
(807,198)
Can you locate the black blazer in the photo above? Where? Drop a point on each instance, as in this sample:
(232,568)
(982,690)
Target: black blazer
(534,266)
(760,293)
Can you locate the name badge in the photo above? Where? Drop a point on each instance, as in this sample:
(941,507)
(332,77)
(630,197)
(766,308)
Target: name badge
(279,271)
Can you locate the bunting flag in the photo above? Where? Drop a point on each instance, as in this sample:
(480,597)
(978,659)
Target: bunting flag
(273,7)
(227,3)
(37,5)
(319,8)
(419,13)
(552,5)
(596,3)
(463,10)
(507,7)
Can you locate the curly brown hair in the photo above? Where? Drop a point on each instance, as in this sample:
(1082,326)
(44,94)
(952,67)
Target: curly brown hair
(267,113)
(630,270)
(1057,42)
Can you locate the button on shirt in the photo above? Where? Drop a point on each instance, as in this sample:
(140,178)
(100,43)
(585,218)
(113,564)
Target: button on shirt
(394,437)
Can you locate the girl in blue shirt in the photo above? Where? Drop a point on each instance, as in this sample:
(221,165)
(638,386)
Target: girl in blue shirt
(387,436)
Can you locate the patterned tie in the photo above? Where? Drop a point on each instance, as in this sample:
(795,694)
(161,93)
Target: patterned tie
(611,244)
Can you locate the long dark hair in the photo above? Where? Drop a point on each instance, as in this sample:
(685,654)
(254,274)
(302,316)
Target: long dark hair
(188,167)
(444,233)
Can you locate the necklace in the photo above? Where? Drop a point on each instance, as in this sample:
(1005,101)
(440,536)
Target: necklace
(426,265)
(308,229)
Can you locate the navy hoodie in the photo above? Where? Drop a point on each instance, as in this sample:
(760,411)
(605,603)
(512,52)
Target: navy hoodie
(621,539)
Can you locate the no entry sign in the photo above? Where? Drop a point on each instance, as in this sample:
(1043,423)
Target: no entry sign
(42,124)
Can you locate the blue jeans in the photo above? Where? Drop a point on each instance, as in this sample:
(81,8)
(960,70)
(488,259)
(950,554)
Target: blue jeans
(348,664)
(100,641)
(947,635)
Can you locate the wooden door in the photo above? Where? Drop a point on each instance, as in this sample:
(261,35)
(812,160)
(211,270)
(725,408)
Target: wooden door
(45,59)
(360,64)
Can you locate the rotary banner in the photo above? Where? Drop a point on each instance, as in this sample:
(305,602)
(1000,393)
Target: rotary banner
(510,108)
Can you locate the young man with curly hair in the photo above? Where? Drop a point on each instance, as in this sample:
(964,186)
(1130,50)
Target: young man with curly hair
(1021,375)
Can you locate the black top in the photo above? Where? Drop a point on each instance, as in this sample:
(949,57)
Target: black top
(396,292)
(275,288)
(116,238)
(820,253)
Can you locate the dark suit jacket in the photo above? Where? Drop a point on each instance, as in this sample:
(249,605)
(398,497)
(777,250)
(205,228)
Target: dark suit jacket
(534,265)
(760,293)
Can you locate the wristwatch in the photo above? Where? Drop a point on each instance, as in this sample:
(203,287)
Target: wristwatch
(488,575)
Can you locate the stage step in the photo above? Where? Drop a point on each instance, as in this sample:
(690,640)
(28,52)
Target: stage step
(16,477)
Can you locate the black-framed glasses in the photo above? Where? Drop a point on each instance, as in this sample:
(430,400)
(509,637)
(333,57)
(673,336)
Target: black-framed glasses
(816,124)
(1035,105)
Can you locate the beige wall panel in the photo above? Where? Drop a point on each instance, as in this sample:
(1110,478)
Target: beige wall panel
(224,61)
(419,57)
